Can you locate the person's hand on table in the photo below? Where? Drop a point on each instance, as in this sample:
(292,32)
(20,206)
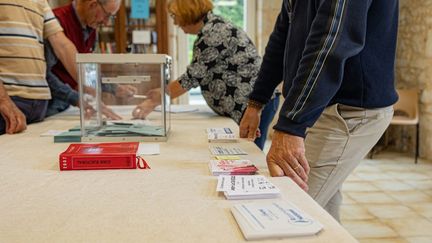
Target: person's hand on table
(153,99)
(89,111)
(15,120)
(109,113)
(125,91)
(89,90)
(249,124)
(287,158)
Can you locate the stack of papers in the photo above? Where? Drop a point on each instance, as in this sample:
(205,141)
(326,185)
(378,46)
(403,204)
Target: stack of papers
(246,187)
(262,220)
(126,129)
(221,150)
(221,135)
(232,167)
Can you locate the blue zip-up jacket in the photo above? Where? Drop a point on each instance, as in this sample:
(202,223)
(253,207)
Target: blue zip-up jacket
(327,52)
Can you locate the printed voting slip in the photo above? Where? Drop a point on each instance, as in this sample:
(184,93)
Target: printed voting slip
(179,108)
(222,150)
(221,135)
(232,167)
(246,187)
(231,157)
(220,130)
(221,138)
(273,219)
(148,149)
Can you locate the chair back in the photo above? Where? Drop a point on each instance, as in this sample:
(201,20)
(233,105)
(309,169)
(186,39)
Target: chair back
(406,109)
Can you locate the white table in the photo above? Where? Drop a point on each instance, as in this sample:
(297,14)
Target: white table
(174,201)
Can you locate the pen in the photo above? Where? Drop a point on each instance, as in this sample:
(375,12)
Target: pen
(140,96)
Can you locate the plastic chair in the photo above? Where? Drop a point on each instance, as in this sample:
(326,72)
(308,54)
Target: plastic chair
(406,113)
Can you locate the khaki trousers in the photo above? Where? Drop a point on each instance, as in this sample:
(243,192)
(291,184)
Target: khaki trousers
(335,145)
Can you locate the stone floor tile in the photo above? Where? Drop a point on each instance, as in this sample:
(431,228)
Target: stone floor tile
(389,211)
(391,185)
(419,239)
(353,177)
(428,192)
(363,167)
(383,240)
(355,212)
(371,197)
(356,186)
(420,184)
(367,176)
(410,196)
(369,229)
(410,227)
(408,175)
(424,209)
(347,200)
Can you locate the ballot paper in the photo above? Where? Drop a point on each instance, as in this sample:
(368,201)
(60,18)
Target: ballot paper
(232,167)
(225,150)
(273,219)
(246,187)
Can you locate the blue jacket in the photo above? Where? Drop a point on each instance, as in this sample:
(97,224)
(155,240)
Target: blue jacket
(327,52)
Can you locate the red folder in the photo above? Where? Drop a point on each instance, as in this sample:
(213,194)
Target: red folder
(101,156)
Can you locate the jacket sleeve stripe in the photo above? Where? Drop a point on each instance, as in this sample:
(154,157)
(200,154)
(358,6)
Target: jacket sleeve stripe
(321,58)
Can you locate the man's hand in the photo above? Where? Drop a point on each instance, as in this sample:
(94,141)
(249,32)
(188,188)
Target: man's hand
(15,120)
(249,123)
(287,158)
(125,91)
(148,105)
(89,111)
(65,51)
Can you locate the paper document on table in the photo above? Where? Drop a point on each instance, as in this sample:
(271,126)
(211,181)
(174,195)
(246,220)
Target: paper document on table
(221,150)
(220,130)
(246,187)
(179,108)
(52,133)
(243,183)
(231,157)
(232,167)
(221,134)
(148,149)
(277,219)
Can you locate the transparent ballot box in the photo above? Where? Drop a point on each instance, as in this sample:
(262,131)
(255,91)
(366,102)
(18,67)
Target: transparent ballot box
(113,86)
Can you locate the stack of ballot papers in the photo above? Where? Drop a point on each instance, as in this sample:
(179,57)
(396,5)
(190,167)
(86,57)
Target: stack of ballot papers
(232,167)
(273,219)
(246,187)
(223,150)
(221,135)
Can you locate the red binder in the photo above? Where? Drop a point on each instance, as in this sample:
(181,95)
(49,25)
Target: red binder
(101,156)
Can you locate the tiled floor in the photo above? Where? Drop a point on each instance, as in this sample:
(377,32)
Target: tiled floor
(389,199)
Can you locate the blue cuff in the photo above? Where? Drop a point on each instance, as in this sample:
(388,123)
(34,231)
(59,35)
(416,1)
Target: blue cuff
(73,98)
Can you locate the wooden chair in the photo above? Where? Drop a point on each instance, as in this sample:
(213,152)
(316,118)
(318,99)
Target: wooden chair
(406,113)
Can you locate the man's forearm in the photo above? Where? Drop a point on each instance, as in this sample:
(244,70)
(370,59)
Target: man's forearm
(65,51)
(3,93)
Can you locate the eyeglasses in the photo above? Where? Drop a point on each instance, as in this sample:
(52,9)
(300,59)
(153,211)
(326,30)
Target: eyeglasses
(172,15)
(107,14)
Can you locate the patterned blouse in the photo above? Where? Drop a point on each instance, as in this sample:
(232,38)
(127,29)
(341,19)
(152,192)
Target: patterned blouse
(225,65)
